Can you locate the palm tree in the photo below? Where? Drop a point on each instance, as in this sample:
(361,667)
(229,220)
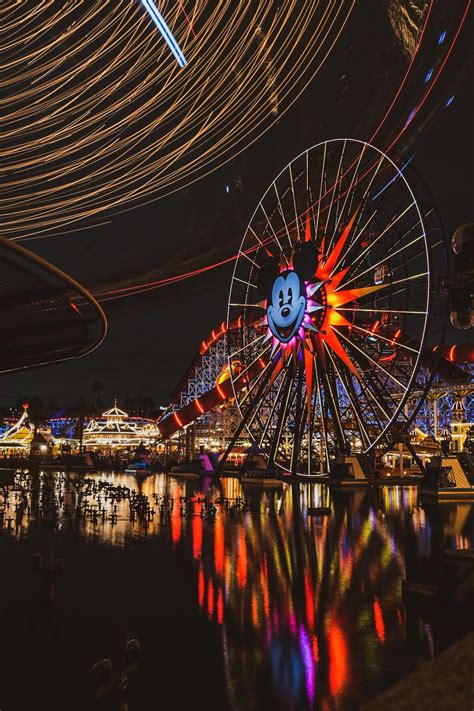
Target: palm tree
(98,388)
(82,409)
(39,412)
(36,413)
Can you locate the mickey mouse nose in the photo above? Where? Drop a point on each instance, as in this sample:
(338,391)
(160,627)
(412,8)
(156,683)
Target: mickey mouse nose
(285,312)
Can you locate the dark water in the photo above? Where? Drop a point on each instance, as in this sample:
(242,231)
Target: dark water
(255,606)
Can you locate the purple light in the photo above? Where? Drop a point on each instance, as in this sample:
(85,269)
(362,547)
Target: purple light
(306,653)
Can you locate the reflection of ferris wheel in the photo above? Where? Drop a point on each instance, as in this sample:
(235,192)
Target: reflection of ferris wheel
(333,288)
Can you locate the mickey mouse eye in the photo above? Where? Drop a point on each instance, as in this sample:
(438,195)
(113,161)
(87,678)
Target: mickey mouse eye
(280,297)
(290,296)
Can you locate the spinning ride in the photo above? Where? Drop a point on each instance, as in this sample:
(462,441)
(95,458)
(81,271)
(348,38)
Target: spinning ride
(333,294)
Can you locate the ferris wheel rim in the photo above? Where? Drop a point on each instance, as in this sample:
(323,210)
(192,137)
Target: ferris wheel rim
(427,301)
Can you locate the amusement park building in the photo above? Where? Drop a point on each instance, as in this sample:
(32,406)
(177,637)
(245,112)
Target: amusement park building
(115,430)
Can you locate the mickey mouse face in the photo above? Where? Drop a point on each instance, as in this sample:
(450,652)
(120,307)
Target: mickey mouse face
(286,308)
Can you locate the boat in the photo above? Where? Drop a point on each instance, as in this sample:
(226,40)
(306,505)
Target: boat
(262,477)
(449,479)
(255,471)
(204,463)
(139,468)
(186,471)
(141,465)
(349,471)
(70,463)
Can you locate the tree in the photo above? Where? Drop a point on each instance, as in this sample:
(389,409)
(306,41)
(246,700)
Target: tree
(98,388)
(140,406)
(82,409)
(39,412)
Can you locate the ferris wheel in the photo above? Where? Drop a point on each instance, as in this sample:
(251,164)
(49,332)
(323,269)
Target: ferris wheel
(333,294)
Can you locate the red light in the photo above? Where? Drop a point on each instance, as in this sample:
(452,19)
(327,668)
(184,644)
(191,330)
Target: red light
(177,419)
(219,390)
(220,607)
(379,625)
(199,407)
(200,587)
(210,598)
(26,405)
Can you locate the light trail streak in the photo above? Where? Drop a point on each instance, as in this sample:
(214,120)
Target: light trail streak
(142,288)
(95,123)
(159,21)
(395,177)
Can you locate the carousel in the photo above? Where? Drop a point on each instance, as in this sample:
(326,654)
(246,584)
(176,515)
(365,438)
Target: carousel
(115,430)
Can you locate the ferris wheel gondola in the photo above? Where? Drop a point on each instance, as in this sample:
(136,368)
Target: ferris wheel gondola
(333,284)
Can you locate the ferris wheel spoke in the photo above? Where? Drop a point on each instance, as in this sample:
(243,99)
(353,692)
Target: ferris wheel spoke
(356,238)
(319,397)
(249,259)
(323,173)
(377,310)
(269,223)
(418,255)
(413,278)
(336,184)
(332,403)
(281,417)
(299,412)
(282,215)
(247,283)
(388,227)
(252,363)
(297,226)
(276,400)
(374,362)
(379,337)
(247,346)
(250,228)
(350,192)
(384,260)
(358,232)
(256,381)
(353,400)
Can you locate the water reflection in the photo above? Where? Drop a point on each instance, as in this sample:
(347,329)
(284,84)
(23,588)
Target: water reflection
(309,606)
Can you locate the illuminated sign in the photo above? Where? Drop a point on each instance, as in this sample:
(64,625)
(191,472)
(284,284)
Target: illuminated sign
(287,305)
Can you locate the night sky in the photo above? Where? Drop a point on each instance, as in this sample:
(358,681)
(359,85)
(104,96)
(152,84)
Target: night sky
(153,336)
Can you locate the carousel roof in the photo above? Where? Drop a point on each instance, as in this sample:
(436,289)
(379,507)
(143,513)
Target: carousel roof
(115,427)
(115,412)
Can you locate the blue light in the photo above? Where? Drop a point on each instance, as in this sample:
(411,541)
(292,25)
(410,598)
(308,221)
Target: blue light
(157,18)
(441,37)
(394,178)
(227,189)
(428,76)
(450,100)
(412,113)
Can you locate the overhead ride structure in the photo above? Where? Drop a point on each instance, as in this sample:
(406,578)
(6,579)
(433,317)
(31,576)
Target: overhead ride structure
(46,316)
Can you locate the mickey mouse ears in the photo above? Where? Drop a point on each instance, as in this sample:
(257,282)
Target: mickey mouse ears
(304,263)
